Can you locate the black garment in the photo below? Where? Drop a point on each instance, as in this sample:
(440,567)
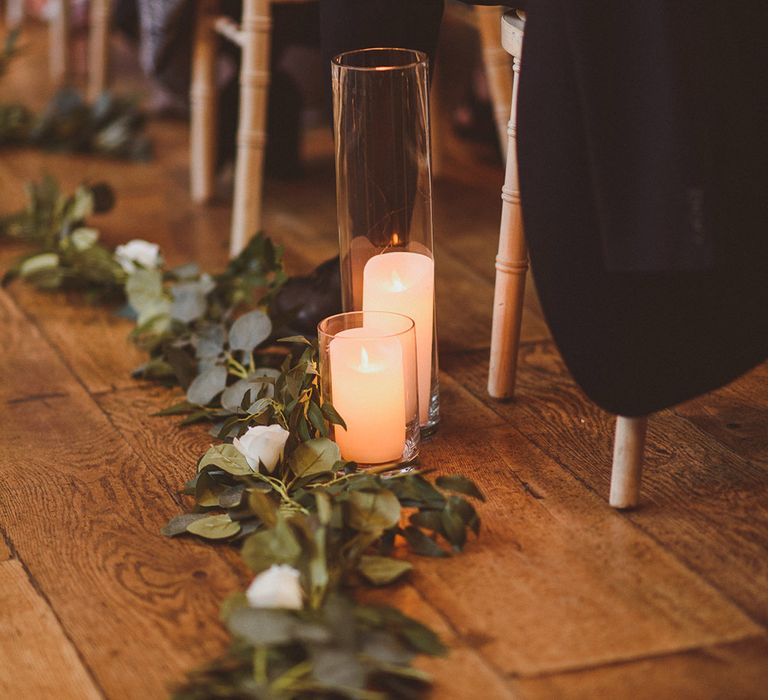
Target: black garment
(643,154)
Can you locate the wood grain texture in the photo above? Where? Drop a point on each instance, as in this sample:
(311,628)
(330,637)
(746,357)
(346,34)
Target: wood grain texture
(559,580)
(37,661)
(735,671)
(705,503)
(84,513)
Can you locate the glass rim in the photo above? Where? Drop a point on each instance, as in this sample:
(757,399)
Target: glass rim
(410,327)
(421,59)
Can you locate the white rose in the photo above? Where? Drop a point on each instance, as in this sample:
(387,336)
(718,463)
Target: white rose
(277,587)
(263,443)
(138,252)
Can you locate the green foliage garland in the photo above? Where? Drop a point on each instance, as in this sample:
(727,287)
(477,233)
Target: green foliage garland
(336,527)
(112,126)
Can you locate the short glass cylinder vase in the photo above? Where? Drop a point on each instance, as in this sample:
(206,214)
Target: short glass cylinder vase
(384,197)
(369,372)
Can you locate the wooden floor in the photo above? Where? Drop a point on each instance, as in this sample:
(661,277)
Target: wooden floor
(562,597)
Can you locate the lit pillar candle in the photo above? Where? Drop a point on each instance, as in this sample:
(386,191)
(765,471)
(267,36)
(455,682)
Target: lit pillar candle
(368,390)
(404,283)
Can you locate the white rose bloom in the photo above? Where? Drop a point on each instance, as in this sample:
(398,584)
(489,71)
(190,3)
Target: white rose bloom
(138,251)
(262,443)
(277,587)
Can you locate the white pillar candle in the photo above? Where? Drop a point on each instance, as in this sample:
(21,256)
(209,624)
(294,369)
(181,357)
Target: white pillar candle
(404,283)
(368,390)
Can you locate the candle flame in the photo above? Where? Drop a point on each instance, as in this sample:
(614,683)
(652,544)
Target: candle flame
(397,283)
(395,239)
(364,361)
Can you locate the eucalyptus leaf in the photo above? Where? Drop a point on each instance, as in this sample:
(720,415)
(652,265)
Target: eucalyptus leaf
(249,331)
(262,627)
(370,511)
(459,484)
(189,302)
(382,570)
(421,544)
(178,524)
(314,457)
(228,458)
(277,545)
(207,385)
(233,395)
(214,527)
(38,263)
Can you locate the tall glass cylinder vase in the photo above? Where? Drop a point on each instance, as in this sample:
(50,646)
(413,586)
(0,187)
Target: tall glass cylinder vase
(384,197)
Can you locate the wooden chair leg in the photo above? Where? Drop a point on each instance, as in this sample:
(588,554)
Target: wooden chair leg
(511,267)
(497,67)
(98,48)
(439,124)
(251,132)
(14,13)
(203,103)
(58,48)
(628,448)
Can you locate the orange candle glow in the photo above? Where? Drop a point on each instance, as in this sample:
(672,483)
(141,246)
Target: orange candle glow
(367,380)
(404,283)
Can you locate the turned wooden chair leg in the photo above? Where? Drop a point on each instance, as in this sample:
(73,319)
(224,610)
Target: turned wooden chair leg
(251,132)
(203,104)
(58,38)
(512,258)
(439,124)
(14,13)
(628,448)
(98,48)
(497,67)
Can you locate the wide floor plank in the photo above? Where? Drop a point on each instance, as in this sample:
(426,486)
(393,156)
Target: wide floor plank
(558,579)
(83,511)
(37,661)
(735,671)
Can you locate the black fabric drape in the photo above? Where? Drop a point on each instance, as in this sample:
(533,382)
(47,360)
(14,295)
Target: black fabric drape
(644,178)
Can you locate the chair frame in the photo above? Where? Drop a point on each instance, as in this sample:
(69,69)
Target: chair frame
(98,45)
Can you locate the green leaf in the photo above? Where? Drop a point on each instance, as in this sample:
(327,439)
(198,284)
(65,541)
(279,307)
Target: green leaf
(428,519)
(262,627)
(227,458)
(370,511)
(421,544)
(332,414)
(214,527)
(206,385)
(38,263)
(263,507)
(178,409)
(453,527)
(382,570)
(314,457)
(277,545)
(415,490)
(207,490)
(459,484)
(249,331)
(231,496)
(295,339)
(178,524)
